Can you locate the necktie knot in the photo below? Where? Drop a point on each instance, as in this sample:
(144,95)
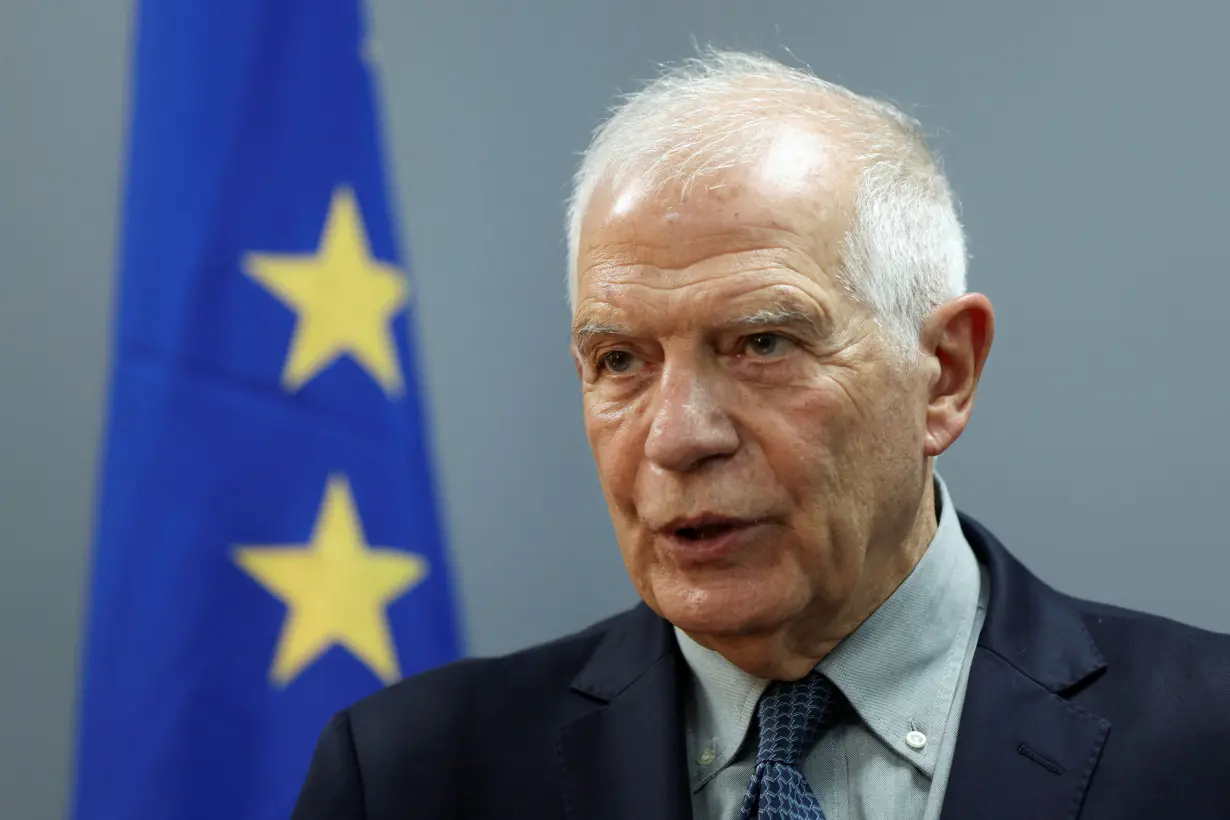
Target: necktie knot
(792,716)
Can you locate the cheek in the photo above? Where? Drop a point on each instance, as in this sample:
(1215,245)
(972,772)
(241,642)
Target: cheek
(834,450)
(618,456)
(617,447)
(805,435)
(872,439)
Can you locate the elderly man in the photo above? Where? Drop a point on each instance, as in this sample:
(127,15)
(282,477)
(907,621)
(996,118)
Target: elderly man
(774,342)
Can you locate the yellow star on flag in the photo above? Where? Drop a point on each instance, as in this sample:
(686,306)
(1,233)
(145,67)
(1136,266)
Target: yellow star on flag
(335,588)
(344,300)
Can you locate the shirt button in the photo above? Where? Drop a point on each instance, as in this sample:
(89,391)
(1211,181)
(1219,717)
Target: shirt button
(706,757)
(915,739)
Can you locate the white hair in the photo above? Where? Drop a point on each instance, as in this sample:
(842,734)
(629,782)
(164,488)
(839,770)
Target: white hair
(904,252)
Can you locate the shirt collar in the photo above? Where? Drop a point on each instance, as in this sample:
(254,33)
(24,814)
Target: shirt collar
(899,670)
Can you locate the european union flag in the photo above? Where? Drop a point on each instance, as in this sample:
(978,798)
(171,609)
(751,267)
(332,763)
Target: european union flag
(268,547)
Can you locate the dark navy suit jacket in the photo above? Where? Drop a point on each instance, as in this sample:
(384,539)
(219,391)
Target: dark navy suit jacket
(1073,710)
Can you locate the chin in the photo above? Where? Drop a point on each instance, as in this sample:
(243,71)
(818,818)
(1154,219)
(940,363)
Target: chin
(744,609)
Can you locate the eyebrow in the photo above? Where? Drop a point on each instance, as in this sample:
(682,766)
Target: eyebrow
(584,334)
(785,313)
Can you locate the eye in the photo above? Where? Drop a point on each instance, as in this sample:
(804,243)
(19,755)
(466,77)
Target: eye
(617,361)
(767,345)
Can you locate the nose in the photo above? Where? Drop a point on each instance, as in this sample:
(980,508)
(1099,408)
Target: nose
(690,427)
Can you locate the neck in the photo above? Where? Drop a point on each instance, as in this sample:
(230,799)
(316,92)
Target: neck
(792,650)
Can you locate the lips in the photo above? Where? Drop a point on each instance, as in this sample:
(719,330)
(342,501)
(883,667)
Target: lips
(705,539)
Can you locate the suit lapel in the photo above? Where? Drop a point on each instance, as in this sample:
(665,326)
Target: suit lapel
(624,757)
(1023,749)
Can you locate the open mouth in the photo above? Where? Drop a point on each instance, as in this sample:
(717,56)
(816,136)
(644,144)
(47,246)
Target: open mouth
(703,532)
(707,538)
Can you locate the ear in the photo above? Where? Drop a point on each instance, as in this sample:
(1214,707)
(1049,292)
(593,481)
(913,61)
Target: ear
(956,338)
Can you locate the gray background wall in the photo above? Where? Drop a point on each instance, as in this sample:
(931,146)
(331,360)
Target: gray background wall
(1086,138)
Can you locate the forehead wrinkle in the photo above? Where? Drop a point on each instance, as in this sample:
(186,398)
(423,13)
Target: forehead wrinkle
(631,251)
(638,282)
(630,255)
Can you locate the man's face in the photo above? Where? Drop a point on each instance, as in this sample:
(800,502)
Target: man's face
(759,452)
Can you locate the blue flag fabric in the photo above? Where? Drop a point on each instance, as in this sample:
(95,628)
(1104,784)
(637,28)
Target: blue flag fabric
(268,547)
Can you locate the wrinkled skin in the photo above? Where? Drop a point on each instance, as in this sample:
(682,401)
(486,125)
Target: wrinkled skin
(729,381)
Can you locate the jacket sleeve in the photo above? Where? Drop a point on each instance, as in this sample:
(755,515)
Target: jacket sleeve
(333,789)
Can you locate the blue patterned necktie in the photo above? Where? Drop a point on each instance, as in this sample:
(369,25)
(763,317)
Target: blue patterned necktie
(792,717)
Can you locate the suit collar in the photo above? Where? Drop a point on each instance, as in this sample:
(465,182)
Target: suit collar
(1023,749)
(636,641)
(624,758)
(1029,625)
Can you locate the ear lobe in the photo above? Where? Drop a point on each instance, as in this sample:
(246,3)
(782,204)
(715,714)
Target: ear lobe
(963,330)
